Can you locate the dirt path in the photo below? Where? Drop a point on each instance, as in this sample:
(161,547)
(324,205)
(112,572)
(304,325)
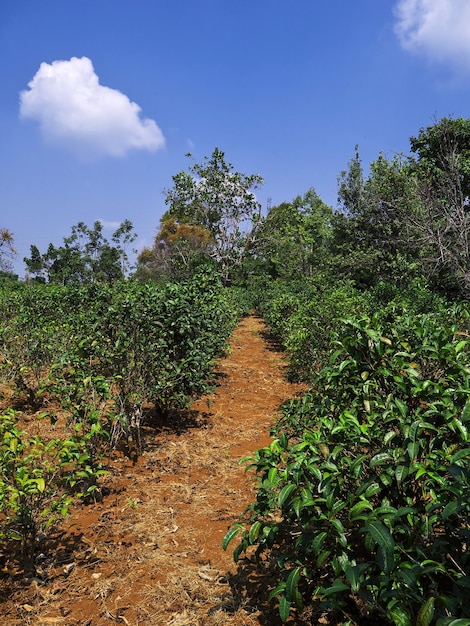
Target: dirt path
(150,553)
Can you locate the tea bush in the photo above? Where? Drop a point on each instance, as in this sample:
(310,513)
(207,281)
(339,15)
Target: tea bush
(302,317)
(101,353)
(147,343)
(305,317)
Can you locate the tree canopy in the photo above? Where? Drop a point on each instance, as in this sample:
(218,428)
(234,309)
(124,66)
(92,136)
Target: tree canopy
(178,249)
(441,169)
(86,256)
(293,239)
(405,218)
(220,200)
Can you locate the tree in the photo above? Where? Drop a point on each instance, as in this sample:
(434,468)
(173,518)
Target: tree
(122,238)
(293,240)
(86,256)
(372,239)
(441,171)
(354,257)
(176,252)
(351,187)
(7,249)
(213,196)
(411,216)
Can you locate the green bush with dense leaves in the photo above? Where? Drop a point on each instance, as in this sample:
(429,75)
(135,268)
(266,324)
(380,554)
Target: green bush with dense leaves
(147,343)
(38,482)
(365,491)
(303,315)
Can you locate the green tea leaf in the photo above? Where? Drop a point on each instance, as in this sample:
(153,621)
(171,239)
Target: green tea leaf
(337,587)
(380,459)
(354,575)
(323,558)
(450,509)
(400,616)
(413,449)
(272,475)
(384,539)
(297,599)
(402,407)
(230,535)
(461,454)
(356,510)
(372,490)
(415,426)
(318,542)
(254,531)
(389,436)
(278,590)
(426,613)
(465,417)
(401,472)
(292,582)
(284,608)
(285,493)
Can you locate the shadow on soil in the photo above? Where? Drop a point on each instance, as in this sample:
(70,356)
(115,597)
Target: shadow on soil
(272,343)
(177,421)
(49,554)
(250,588)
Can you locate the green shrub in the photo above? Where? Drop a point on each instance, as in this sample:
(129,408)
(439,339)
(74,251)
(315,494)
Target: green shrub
(147,343)
(35,481)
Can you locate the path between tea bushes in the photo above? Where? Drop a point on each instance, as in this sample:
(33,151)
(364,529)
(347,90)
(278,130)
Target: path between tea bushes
(150,553)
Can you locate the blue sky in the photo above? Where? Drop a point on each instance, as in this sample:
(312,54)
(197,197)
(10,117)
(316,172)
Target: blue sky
(100,100)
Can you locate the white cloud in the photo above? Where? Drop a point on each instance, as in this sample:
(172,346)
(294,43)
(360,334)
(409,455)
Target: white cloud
(75,111)
(437,29)
(109,225)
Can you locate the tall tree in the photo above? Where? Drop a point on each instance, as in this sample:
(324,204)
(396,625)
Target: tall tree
(177,250)
(441,169)
(222,201)
(7,249)
(372,238)
(122,238)
(353,257)
(351,187)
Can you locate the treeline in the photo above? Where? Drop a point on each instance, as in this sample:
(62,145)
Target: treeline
(404,219)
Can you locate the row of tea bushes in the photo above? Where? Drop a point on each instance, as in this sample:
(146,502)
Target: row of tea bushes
(363,502)
(147,343)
